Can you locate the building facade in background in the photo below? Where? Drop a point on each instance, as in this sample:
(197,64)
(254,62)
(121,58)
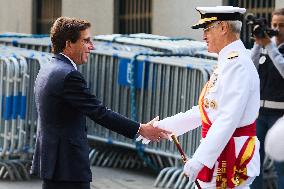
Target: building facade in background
(160,17)
(133,16)
(46,11)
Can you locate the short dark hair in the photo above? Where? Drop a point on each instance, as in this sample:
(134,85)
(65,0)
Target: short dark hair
(64,29)
(278,12)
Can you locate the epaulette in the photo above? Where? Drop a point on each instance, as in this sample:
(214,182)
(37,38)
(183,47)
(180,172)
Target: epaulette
(233,54)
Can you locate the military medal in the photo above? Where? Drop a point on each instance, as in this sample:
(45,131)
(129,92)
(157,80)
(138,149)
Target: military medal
(213,104)
(206,103)
(262,59)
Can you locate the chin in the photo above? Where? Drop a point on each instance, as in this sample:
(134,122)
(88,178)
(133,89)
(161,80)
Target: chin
(210,50)
(83,60)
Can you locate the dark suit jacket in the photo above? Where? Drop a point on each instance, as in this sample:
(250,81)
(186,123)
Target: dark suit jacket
(63,100)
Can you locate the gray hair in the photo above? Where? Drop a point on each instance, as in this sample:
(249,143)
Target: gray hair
(235,26)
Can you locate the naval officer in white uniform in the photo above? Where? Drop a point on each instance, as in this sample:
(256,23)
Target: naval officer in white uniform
(228,155)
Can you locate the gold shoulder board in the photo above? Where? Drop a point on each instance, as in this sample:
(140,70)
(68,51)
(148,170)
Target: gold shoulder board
(233,54)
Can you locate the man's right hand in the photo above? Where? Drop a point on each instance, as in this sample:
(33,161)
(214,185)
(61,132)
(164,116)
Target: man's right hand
(153,133)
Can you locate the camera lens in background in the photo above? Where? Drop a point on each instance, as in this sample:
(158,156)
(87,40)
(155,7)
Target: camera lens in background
(258,31)
(259,26)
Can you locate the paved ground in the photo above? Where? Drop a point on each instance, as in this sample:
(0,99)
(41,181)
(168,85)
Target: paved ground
(103,178)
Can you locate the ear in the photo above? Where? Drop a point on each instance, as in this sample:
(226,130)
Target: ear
(68,44)
(225,27)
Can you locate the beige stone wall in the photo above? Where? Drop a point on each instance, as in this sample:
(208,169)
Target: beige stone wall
(279,3)
(98,12)
(170,17)
(174,17)
(16,16)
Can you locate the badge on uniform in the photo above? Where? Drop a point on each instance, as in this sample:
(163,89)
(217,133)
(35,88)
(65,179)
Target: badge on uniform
(233,54)
(206,103)
(262,59)
(213,78)
(213,104)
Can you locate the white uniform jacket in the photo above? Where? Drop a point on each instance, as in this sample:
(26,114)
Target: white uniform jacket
(233,102)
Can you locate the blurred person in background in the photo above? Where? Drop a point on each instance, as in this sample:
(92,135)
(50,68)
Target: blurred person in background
(63,101)
(267,55)
(274,143)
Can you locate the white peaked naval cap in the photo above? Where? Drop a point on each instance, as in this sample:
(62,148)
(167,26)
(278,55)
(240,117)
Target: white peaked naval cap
(218,13)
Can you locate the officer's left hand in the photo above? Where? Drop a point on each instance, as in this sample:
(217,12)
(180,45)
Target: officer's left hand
(191,169)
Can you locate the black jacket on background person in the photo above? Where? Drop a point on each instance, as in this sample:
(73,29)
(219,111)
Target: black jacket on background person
(271,83)
(63,101)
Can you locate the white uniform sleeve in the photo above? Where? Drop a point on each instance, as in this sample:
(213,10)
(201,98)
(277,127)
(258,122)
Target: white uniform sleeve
(255,54)
(276,57)
(178,124)
(234,80)
(181,122)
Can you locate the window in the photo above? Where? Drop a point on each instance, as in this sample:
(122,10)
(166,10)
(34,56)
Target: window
(47,12)
(133,16)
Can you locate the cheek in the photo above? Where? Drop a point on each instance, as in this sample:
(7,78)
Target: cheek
(211,44)
(209,40)
(210,49)
(84,55)
(215,39)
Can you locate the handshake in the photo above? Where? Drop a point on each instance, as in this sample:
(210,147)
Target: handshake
(155,130)
(151,132)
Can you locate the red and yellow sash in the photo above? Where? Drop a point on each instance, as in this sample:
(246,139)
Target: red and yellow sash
(204,116)
(231,171)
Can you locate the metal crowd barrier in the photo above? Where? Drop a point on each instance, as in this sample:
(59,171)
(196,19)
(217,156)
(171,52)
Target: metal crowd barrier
(43,43)
(140,81)
(160,44)
(17,110)
(168,84)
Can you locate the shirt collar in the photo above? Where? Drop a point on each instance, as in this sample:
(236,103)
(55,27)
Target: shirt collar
(74,65)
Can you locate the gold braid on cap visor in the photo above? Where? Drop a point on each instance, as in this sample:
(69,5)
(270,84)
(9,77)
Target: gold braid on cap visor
(203,21)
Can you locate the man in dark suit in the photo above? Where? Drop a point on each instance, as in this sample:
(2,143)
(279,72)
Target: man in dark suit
(63,100)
